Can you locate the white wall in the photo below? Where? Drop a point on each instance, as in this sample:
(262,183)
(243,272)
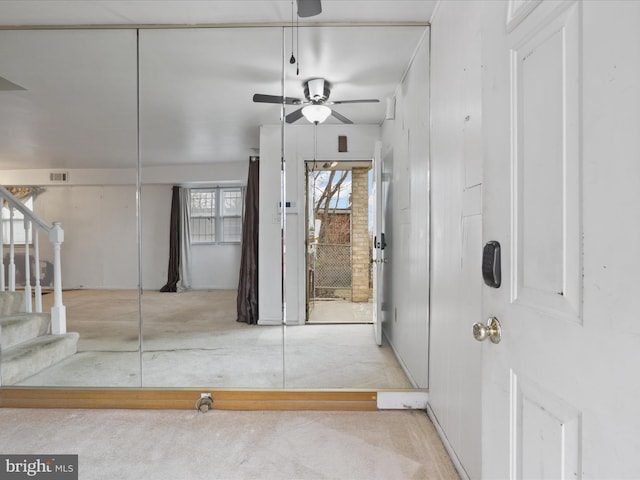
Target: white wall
(99,222)
(98,213)
(406,164)
(456,226)
(299,147)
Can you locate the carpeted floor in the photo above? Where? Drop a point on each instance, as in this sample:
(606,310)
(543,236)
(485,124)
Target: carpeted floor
(170,445)
(338,310)
(191,339)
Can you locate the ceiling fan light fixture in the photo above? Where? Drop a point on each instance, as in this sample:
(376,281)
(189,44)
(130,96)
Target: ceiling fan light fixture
(316,113)
(317,89)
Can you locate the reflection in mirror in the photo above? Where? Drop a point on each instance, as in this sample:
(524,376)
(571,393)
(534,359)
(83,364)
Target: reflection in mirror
(68,128)
(198,131)
(336,299)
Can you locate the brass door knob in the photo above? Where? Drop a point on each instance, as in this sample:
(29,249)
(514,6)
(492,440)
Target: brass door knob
(491,330)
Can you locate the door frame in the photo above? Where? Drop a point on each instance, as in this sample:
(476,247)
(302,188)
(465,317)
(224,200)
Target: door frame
(305,180)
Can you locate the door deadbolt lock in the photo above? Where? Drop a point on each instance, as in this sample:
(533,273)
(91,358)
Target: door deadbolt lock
(491,330)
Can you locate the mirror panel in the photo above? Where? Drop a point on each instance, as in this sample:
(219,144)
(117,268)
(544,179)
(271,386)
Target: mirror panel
(68,128)
(78,115)
(196,88)
(330,341)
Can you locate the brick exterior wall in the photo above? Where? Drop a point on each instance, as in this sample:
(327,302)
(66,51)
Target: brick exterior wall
(360,234)
(337,224)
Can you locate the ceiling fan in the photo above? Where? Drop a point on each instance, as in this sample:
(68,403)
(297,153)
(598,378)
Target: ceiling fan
(315,106)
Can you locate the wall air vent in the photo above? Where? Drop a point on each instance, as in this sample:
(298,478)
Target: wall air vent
(59,177)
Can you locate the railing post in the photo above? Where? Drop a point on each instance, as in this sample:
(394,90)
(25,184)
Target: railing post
(58,311)
(27,269)
(12,265)
(36,250)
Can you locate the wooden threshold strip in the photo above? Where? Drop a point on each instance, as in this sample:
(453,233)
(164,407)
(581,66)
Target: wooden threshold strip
(185,399)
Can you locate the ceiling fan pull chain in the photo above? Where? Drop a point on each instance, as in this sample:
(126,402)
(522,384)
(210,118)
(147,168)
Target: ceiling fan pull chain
(292,60)
(297,44)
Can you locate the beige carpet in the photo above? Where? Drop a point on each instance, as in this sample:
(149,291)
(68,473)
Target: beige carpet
(337,310)
(191,339)
(170,445)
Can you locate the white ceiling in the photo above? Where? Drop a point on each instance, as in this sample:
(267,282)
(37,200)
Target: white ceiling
(193,12)
(79,106)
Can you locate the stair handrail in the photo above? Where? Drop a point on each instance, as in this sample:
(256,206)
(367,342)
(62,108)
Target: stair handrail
(55,233)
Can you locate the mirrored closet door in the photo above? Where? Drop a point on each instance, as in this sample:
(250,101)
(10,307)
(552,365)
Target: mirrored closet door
(347,79)
(68,154)
(196,87)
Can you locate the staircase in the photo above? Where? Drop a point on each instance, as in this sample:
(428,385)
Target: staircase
(26,346)
(30,340)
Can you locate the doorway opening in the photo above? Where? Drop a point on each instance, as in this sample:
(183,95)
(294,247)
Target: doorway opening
(338,242)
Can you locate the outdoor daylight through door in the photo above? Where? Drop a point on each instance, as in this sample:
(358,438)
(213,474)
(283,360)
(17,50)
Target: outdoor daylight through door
(338,241)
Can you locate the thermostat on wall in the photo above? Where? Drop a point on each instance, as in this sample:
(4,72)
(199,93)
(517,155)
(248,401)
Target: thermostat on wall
(290,207)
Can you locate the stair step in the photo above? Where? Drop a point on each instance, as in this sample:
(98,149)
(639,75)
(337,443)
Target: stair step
(11,302)
(28,358)
(20,327)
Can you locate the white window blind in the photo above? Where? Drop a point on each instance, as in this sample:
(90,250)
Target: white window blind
(216,214)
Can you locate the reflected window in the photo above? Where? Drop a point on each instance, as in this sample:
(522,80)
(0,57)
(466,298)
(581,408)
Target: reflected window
(18,224)
(216,215)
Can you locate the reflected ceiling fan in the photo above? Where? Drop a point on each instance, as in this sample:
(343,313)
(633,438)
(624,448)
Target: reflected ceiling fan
(315,108)
(309,8)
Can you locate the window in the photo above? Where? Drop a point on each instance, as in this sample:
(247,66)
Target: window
(203,215)
(232,202)
(18,224)
(216,214)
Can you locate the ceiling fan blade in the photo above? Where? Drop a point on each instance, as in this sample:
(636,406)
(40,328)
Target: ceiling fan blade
(342,118)
(309,8)
(366,100)
(294,116)
(260,98)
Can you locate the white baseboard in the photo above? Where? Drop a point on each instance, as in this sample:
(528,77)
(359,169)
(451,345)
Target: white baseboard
(269,321)
(445,441)
(403,400)
(400,361)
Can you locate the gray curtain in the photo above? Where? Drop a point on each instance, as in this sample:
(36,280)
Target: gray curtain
(247,301)
(185,240)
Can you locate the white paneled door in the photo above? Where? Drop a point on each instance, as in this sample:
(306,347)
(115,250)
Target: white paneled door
(561,176)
